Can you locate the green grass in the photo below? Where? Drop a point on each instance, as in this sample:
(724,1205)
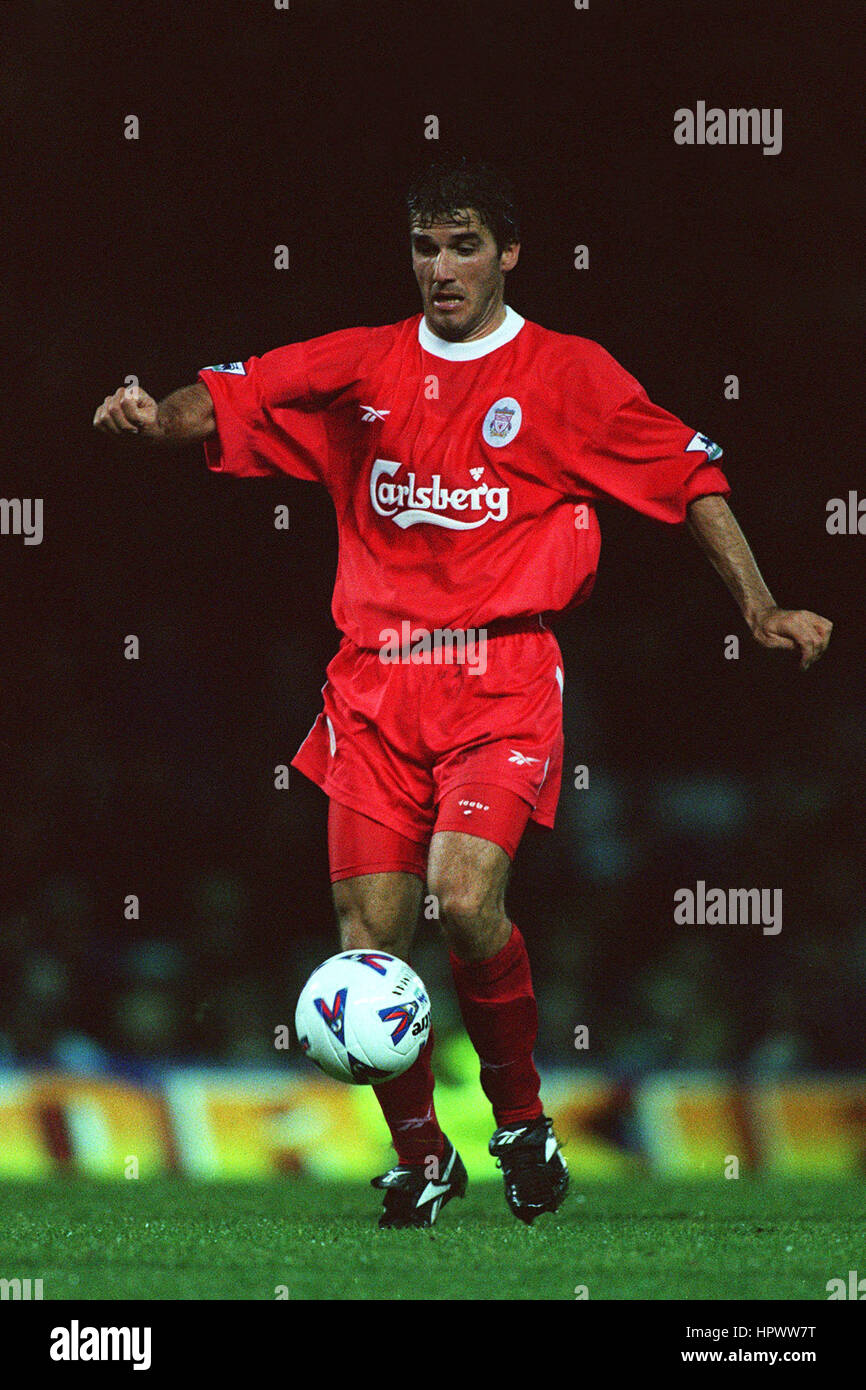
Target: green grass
(176,1239)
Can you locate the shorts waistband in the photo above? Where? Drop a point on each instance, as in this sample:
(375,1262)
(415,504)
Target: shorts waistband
(503,627)
(496,627)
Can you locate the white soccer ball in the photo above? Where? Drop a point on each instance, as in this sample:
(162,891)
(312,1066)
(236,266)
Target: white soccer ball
(363,1017)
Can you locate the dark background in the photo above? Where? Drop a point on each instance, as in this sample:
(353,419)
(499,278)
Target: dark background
(155,257)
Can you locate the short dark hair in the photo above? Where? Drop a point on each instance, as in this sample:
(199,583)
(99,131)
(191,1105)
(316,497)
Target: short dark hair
(445,188)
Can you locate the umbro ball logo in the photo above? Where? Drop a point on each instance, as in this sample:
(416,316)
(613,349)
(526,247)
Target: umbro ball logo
(401,1015)
(334,1015)
(375,960)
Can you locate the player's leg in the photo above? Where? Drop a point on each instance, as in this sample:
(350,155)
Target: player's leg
(378,911)
(377,878)
(468,874)
(377,882)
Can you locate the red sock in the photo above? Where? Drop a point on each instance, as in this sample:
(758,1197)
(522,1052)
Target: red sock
(501,1017)
(407,1104)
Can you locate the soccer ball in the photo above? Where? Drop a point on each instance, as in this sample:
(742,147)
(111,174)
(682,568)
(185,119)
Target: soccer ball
(363,1017)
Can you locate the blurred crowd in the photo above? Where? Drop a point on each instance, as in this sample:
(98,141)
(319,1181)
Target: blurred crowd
(163,901)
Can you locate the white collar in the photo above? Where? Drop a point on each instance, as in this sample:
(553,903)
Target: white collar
(478,347)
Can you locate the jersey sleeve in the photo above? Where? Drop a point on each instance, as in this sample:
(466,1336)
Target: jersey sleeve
(270,410)
(648,459)
(638,453)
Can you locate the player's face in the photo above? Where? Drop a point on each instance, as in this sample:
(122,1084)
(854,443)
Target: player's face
(461,276)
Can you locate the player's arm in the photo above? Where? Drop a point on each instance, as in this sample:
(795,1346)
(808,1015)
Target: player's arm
(714,527)
(183,417)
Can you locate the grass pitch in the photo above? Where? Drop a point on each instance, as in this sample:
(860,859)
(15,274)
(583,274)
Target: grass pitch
(178,1239)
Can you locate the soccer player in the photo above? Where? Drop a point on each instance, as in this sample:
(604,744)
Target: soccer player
(464,449)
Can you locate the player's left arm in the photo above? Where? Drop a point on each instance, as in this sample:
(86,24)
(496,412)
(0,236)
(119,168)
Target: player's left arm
(714,527)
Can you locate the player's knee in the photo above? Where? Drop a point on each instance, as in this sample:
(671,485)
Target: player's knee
(367,923)
(360,929)
(460,906)
(469,913)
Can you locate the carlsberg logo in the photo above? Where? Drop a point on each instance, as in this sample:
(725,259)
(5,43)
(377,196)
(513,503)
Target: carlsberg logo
(407,505)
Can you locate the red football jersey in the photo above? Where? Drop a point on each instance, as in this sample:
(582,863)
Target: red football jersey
(464,475)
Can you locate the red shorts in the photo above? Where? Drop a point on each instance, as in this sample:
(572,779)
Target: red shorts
(359,845)
(395,738)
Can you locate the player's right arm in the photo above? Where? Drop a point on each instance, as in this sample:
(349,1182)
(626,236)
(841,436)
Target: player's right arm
(183,417)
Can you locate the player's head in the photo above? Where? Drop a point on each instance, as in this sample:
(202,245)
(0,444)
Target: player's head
(465,239)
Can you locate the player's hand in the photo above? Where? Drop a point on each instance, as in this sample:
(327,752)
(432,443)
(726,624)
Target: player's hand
(129,411)
(795,630)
